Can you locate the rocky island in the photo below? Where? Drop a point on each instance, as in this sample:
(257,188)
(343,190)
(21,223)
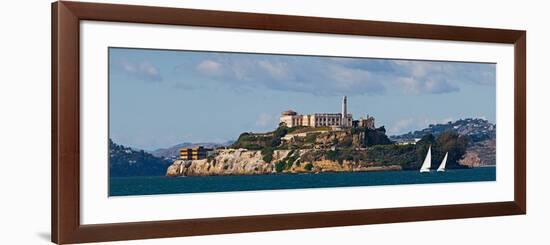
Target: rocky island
(334,142)
(323,149)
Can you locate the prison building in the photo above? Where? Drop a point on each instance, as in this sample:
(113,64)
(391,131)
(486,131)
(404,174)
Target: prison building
(292,119)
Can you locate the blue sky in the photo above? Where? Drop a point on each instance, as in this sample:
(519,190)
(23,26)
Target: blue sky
(158,98)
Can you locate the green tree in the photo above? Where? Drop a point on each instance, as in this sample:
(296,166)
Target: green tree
(279,166)
(280,132)
(332,155)
(447,142)
(376,137)
(267,154)
(454,144)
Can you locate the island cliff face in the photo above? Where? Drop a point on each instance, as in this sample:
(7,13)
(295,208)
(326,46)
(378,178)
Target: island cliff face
(247,162)
(226,162)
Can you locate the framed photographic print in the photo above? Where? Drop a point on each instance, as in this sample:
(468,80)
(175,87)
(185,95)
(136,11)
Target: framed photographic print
(177,122)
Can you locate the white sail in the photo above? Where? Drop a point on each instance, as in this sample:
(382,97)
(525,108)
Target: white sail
(427,161)
(443,163)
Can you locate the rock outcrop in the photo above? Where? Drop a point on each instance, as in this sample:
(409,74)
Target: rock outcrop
(226,162)
(248,162)
(470,159)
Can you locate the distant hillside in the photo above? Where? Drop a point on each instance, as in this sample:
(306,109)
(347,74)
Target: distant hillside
(481,150)
(125,161)
(171,153)
(476,129)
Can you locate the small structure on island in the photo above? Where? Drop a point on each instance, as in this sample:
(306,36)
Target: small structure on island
(196,153)
(367,122)
(339,120)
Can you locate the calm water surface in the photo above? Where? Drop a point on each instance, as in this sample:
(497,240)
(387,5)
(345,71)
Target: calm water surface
(196,184)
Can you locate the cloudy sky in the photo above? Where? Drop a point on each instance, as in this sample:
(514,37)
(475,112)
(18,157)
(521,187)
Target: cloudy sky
(158,98)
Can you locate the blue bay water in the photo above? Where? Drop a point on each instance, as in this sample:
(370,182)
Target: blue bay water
(126,186)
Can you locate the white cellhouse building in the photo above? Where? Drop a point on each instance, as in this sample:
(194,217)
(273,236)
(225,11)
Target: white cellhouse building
(343,119)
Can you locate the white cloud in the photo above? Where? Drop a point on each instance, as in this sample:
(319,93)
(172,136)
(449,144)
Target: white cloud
(419,77)
(290,74)
(144,70)
(276,70)
(209,67)
(411,85)
(401,126)
(338,76)
(265,120)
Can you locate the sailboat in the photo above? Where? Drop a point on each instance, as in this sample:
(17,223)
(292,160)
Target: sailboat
(443,163)
(427,161)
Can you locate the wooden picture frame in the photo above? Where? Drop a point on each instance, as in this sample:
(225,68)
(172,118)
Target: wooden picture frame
(66,226)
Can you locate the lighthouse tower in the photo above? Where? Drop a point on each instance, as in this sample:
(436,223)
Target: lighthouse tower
(344,111)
